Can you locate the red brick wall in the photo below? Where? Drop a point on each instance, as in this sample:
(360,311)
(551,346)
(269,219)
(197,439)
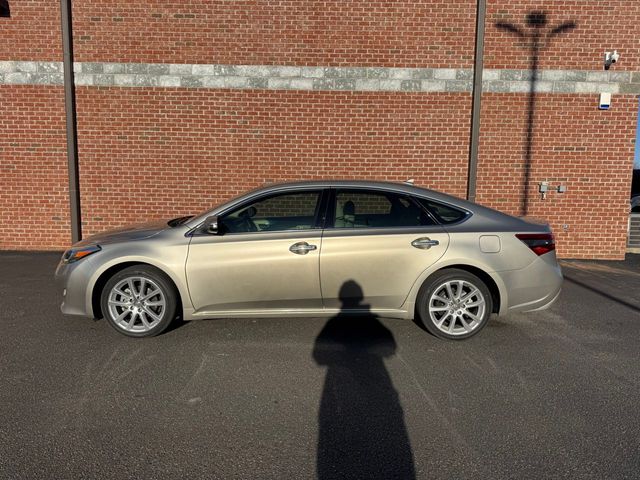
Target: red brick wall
(161,152)
(290,32)
(575,144)
(153,152)
(33,188)
(600,26)
(34,202)
(32,32)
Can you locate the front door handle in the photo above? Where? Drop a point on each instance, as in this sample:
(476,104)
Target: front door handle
(302,248)
(424,243)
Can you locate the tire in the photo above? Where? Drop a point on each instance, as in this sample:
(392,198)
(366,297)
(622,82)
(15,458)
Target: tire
(450,318)
(149,311)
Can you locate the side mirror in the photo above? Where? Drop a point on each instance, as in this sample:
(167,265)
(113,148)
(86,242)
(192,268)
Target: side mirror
(211,225)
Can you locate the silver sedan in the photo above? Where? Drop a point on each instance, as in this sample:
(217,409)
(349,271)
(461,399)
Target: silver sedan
(318,249)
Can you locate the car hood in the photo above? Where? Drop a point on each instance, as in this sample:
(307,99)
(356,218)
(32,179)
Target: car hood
(126,233)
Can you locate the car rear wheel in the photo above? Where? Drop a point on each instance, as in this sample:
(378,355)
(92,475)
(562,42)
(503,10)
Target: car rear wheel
(139,301)
(454,304)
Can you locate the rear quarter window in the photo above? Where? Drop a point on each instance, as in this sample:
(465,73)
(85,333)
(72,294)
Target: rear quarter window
(444,214)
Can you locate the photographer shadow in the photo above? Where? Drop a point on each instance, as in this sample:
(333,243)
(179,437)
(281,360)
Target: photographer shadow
(362,433)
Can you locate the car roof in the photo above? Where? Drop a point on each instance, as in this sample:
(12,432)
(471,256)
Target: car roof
(481,219)
(406,188)
(403,187)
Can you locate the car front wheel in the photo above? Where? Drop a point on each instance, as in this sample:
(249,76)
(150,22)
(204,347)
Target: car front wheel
(139,301)
(454,304)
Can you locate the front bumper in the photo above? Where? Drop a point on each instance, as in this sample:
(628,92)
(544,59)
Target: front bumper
(72,280)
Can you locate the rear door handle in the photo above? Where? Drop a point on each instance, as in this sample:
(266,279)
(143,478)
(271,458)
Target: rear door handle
(302,248)
(424,243)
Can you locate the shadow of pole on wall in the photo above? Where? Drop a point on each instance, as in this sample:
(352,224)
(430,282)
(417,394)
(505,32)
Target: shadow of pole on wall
(4,8)
(537,37)
(362,432)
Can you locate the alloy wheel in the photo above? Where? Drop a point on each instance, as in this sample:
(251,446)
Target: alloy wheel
(136,304)
(457,307)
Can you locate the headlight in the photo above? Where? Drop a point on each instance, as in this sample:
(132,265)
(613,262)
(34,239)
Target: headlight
(75,254)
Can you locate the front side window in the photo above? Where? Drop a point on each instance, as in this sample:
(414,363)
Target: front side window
(285,211)
(377,209)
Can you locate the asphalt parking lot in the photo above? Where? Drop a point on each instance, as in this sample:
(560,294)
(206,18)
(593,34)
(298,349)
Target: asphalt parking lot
(553,394)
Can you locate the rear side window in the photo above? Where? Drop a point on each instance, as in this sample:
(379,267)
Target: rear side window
(376,209)
(445,214)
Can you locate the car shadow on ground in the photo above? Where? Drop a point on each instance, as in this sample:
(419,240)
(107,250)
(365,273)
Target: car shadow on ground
(362,432)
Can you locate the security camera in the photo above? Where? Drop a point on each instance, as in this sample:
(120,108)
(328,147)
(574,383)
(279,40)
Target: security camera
(610,58)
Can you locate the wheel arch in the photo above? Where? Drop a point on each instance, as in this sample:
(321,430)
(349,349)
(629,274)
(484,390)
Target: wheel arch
(495,285)
(104,276)
(482,275)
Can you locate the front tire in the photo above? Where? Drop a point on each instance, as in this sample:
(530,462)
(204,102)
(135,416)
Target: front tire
(139,301)
(454,304)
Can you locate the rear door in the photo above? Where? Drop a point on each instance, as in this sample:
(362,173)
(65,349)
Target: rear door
(382,241)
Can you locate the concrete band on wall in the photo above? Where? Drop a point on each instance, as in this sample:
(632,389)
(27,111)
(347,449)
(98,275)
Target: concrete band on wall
(317,78)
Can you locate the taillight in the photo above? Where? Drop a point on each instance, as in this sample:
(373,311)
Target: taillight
(539,243)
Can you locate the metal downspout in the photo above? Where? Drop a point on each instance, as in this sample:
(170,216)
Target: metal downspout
(70,114)
(476,101)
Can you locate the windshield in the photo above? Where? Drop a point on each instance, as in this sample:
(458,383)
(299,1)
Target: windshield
(179,221)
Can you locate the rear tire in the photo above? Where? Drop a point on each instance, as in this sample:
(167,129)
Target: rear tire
(139,301)
(454,304)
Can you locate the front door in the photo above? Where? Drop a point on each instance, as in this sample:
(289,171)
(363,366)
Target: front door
(265,256)
(379,245)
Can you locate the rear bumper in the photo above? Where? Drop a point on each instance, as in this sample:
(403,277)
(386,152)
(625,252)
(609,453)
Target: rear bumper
(534,287)
(543,305)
